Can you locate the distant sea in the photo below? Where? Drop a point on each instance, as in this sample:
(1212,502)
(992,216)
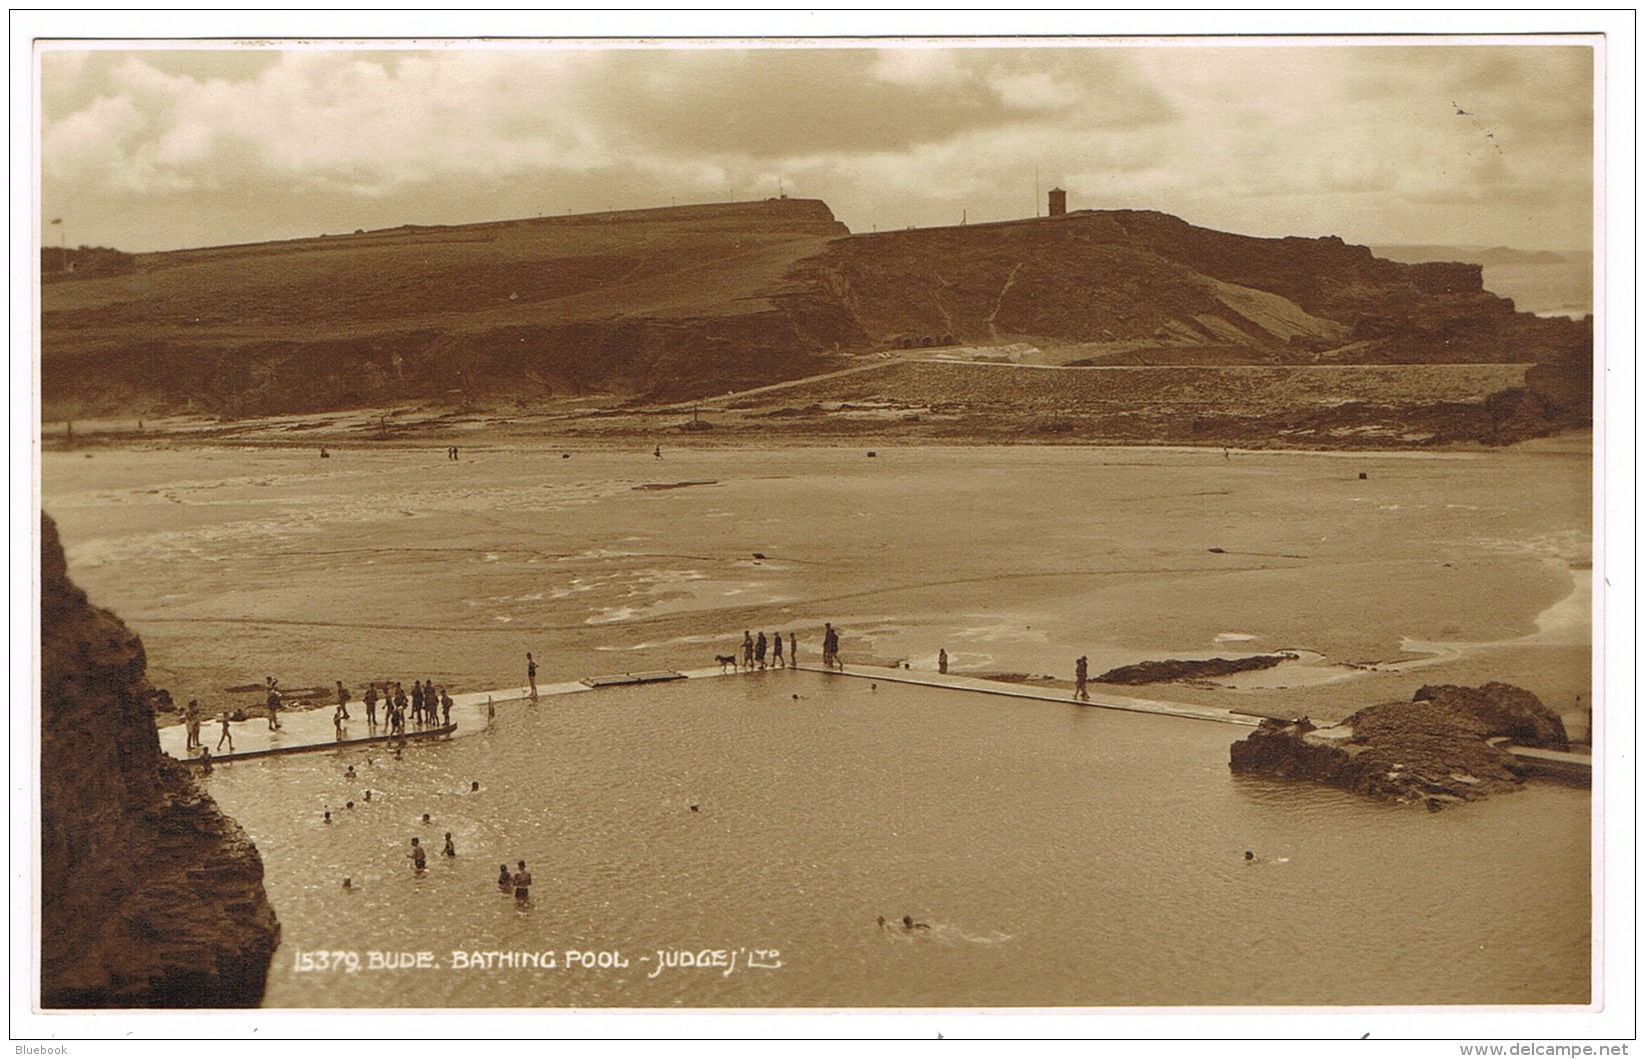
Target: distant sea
(1545,282)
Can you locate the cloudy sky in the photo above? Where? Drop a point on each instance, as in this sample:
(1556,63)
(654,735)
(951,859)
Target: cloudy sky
(1437,142)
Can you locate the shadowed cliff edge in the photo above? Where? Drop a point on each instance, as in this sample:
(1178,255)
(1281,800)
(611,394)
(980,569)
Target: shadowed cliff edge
(149,895)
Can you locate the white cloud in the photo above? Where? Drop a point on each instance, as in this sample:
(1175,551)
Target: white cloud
(919,66)
(1248,137)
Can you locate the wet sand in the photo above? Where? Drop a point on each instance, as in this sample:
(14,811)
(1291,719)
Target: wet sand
(233,564)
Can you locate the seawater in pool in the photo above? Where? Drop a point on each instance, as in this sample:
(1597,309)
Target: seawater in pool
(1061,856)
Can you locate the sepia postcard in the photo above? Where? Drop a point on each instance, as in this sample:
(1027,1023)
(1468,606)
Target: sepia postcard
(1042,530)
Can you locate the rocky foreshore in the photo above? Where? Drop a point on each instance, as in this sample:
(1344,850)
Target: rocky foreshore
(1435,750)
(1173,669)
(149,895)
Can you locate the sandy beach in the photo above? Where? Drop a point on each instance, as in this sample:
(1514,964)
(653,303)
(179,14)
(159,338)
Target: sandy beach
(398,562)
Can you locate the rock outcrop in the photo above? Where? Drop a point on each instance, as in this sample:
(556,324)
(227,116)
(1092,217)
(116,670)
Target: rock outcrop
(149,895)
(1434,750)
(1189,669)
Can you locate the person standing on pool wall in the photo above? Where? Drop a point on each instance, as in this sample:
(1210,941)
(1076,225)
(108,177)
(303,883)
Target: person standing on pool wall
(776,650)
(793,652)
(272,702)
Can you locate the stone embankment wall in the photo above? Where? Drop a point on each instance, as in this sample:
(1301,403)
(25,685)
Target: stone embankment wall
(149,895)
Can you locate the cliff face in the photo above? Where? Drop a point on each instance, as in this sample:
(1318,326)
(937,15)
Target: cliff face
(1430,751)
(149,895)
(694,301)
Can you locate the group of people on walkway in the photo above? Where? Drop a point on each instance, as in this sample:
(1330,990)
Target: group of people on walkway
(831,647)
(427,706)
(758,652)
(755,648)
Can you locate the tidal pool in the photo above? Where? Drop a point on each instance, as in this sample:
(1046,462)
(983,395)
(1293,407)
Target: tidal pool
(1060,856)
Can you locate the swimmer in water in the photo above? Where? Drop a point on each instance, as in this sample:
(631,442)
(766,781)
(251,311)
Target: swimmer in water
(505,879)
(451,848)
(1249,856)
(349,774)
(426,820)
(368,796)
(909,924)
(419,859)
(350,805)
(348,884)
(472,787)
(328,816)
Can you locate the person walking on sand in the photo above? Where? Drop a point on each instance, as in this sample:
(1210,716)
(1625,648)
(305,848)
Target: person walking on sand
(1081,674)
(226,736)
(942,660)
(531,673)
(776,650)
(759,649)
(748,650)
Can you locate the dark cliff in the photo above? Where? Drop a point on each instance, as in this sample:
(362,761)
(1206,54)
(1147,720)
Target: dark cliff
(1434,750)
(149,895)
